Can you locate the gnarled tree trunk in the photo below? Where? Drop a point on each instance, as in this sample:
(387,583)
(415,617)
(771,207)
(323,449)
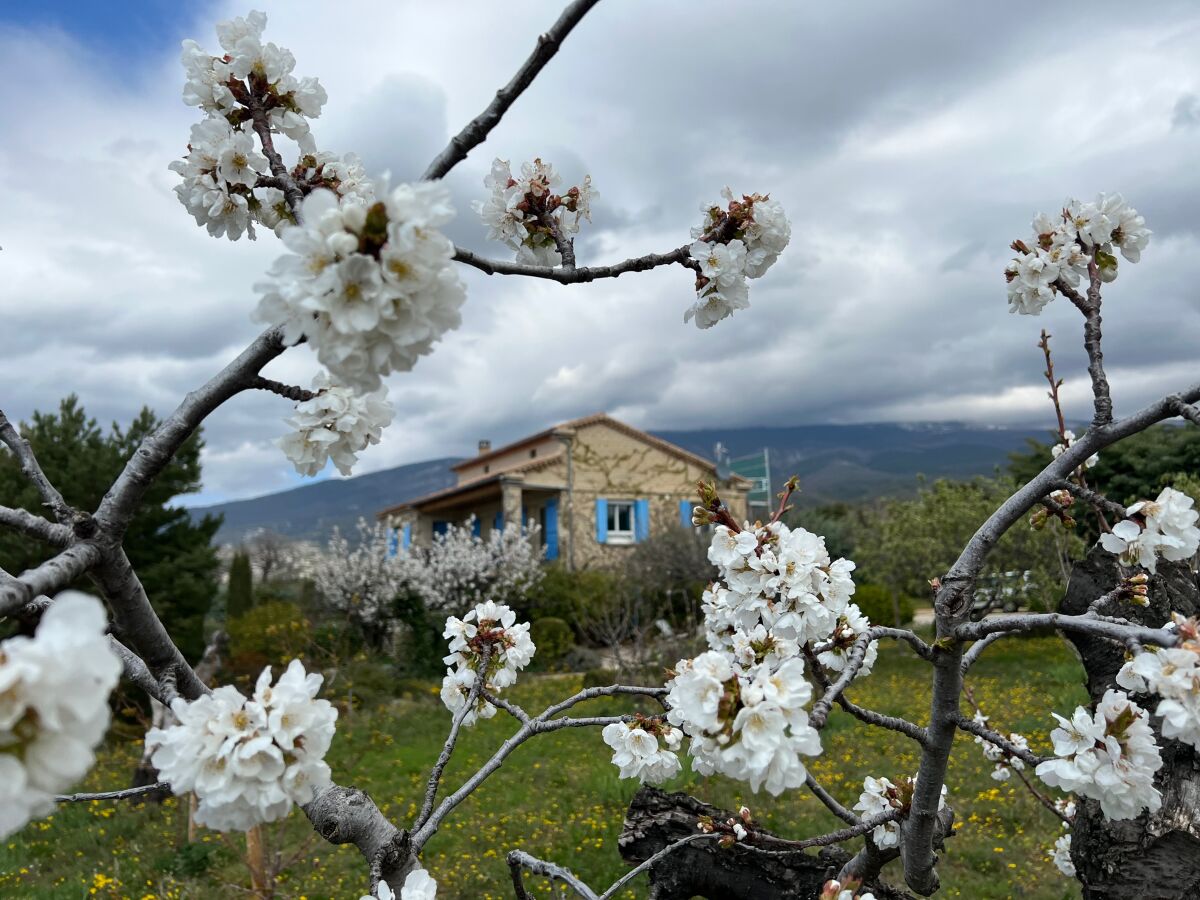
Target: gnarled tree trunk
(703,869)
(1153,856)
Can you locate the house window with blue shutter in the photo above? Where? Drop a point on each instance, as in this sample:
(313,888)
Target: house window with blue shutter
(550,527)
(441,527)
(476,526)
(393,542)
(406,537)
(498,521)
(615,521)
(685,513)
(641,520)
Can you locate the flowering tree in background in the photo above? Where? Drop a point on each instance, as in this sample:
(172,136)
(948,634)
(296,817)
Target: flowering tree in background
(369,282)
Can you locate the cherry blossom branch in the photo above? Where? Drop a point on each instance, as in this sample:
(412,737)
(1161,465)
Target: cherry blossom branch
(1087,623)
(854,662)
(869,716)
(542,723)
(828,799)
(476,131)
(35,526)
(519,860)
(994,737)
(646,864)
(1055,384)
(291,392)
(125,794)
(1185,410)
(1090,307)
(347,815)
(138,674)
(435,776)
(49,577)
(824,840)
(1094,498)
(952,605)
(33,470)
(261,122)
(583,274)
(922,649)
(159,448)
(972,656)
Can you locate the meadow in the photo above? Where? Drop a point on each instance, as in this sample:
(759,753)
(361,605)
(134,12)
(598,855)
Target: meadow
(559,798)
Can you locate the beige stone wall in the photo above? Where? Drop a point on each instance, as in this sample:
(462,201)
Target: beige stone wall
(613,465)
(472,470)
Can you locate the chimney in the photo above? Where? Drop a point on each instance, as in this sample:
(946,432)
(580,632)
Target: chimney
(484,446)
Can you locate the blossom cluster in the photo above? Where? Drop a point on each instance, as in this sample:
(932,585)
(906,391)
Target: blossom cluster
(1174,674)
(734,243)
(418,885)
(636,750)
(54,690)
(1109,755)
(742,703)
(1064,247)
(1165,526)
(1068,440)
(334,424)
(880,795)
(250,85)
(491,630)
(529,215)
(834,653)
(248,760)
(370,285)
(997,754)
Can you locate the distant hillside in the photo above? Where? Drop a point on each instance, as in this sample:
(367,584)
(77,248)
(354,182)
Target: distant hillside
(311,511)
(835,463)
(859,462)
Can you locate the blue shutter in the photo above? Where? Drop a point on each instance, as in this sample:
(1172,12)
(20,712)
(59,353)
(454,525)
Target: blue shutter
(601,520)
(552,528)
(406,538)
(441,527)
(685,513)
(476,526)
(524,519)
(641,520)
(393,542)
(498,522)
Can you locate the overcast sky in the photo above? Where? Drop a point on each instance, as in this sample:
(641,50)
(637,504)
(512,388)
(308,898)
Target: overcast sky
(909,143)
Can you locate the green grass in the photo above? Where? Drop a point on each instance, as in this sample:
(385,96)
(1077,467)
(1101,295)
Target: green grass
(558,797)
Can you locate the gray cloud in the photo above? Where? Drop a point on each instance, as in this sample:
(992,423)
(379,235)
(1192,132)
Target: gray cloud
(910,144)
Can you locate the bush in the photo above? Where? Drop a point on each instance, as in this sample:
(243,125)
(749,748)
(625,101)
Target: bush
(553,638)
(268,635)
(580,659)
(569,596)
(875,601)
(366,682)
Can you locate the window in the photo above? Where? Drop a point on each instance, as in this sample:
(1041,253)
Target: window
(533,453)
(486,469)
(620,521)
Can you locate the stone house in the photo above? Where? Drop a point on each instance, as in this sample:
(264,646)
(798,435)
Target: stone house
(595,486)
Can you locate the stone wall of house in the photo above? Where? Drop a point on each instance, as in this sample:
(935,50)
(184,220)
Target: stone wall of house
(612,465)
(475,468)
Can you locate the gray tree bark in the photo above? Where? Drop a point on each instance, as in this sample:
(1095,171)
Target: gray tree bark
(656,819)
(1153,856)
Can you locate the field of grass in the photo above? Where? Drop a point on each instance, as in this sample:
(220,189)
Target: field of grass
(559,798)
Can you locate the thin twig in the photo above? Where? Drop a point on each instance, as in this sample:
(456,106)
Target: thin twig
(435,776)
(583,274)
(291,392)
(125,794)
(33,470)
(35,526)
(519,859)
(477,130)
(647,863)
(828,799)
